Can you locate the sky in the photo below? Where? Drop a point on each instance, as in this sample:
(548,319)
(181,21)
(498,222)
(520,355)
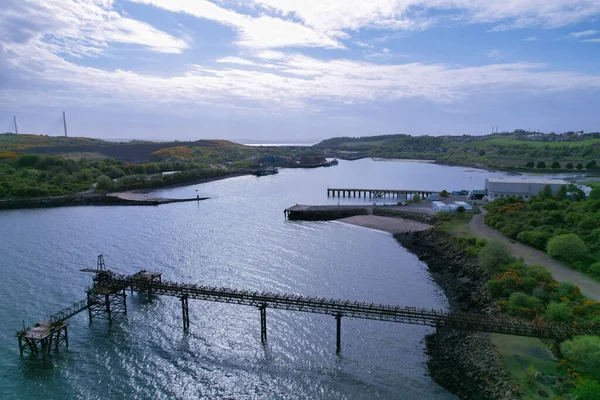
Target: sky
(298,70)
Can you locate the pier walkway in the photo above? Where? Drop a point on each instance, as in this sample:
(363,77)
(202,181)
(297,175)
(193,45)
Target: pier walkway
(352,192)
(107,299)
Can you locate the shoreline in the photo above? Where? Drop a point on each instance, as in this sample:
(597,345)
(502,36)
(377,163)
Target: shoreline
(464,363)
(385,224)
(134,197)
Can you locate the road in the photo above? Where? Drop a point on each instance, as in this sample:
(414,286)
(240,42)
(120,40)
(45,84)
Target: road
(589,287)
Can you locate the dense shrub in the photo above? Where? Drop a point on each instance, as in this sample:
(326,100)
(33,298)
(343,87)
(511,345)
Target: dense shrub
(583,353)
(535,239)
(558,312)
(104,183)
(594,270)
(493,256)
(569,248)
(523,305)
(566,291)
(587,389)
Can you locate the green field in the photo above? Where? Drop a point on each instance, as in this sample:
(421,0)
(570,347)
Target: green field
(374,143)
(482,144)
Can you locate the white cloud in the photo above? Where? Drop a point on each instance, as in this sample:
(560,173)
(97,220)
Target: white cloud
(260,32)
(592,40)
(531,39)
(581,34)
(85,27)
(285,81)
(327,15)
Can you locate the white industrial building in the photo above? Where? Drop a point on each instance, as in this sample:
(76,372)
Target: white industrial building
(499,188)
(465,205)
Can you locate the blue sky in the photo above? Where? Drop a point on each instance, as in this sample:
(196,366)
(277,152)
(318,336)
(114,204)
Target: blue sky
(287,70)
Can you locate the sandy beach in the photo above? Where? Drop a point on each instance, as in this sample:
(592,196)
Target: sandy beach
(386,224)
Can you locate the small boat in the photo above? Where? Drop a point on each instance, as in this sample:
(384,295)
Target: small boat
(266,171)
(333,162)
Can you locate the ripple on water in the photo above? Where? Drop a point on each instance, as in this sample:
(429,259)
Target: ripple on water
(239,239)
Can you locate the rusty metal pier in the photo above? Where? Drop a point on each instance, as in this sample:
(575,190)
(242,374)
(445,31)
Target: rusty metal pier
(378,193)
(107,299)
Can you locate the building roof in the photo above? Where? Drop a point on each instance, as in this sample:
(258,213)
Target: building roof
(539,181)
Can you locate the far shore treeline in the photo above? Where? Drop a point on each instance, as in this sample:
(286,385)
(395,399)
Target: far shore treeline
(39,166)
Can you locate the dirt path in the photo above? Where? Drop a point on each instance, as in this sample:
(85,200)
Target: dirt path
(589,287)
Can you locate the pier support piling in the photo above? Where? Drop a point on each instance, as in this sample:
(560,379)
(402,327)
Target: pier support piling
(338,336)
(437,339)
(104,303)
(185,313)
(42,338)
(263,323)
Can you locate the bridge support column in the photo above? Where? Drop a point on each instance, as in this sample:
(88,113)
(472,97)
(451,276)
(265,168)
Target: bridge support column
(338,336)
(185,312)
(263,323)
(106,305)
(437,339)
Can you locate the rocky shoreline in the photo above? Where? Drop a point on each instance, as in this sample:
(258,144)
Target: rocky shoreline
(465,363)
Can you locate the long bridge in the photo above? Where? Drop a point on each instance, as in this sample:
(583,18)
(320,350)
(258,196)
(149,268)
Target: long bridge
(107,299)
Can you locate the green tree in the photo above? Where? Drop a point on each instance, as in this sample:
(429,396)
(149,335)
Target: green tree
(591,165)
(29,160)
(546,192)
(566,291)
(541,164)
(558,312)
(583,353)
(530,164)
(569,166)
(494,255)
(587,389)
(568,248)
(579,166)
(104,183)
(521,304)
(595,194)
(444,193)
(594,270)
(555,165)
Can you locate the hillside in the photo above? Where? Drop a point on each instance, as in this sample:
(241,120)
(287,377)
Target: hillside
(133,152)
(567,151)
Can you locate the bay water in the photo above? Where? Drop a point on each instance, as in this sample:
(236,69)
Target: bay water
(238,238)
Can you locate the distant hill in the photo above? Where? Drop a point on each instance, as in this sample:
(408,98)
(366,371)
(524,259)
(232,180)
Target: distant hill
(134,152)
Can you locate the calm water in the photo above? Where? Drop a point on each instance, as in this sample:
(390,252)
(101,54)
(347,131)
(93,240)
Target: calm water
(238,238)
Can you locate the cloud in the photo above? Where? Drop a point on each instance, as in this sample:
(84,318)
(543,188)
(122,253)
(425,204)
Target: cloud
(326,15)
(256,32)
(576,35)
(278,81)
(592,40)
(81,28)
(494,54)
(531,39)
